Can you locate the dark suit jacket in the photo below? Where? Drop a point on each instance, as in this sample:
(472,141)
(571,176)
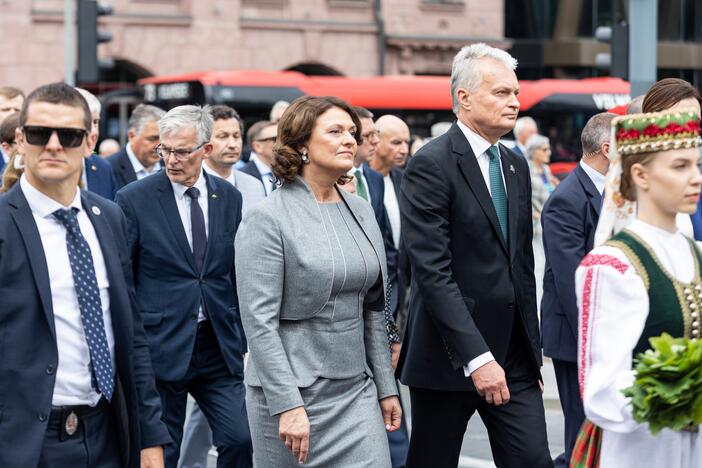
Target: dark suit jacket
(101,179)
(376,188)
(251,169)
(169,287)
(569,220)
(122,168)
(28,337)
(467,283)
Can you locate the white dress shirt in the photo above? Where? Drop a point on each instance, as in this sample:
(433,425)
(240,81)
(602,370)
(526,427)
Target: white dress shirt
(251,188)
(183,202)
(598,179)
(393,208)
(138,167)
(266,173)
(73,375)
(480,145)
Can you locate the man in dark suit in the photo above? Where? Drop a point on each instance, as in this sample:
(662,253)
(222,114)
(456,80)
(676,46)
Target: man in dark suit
(78,387)
(181,225)
(569,220)
(370,186)
(138,159)
(472,342)
(261,137)
(97,173)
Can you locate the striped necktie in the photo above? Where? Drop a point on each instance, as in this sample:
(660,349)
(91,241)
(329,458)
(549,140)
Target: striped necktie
(497,189)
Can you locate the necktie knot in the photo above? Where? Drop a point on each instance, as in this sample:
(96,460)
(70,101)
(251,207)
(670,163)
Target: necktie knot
(492,152)
(193,192)
(67,217)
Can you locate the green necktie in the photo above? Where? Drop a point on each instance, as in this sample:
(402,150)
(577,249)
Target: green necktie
(361,190)
(497,189)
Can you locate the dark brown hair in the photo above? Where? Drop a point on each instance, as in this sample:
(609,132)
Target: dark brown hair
(222,112)
(256,129)
(58,93)
(665,93)
(295,130)
(7,128)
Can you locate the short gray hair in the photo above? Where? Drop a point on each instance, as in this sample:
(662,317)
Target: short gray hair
(465,71)
(184,117)
(521,123)
(535,142)
(93,102)
(596,132)
(142,115)
(636,105)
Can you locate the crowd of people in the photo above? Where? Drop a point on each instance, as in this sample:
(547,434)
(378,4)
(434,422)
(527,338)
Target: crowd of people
(288,293)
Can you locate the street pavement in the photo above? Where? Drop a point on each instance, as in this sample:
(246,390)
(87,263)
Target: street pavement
(476,445)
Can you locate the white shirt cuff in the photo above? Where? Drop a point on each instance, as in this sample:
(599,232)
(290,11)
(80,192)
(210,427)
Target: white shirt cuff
(477,362)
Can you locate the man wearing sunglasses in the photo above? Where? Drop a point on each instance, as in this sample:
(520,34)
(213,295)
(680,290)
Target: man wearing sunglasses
(78,383)
(182,223)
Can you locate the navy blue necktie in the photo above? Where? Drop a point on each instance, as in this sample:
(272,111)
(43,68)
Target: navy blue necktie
(197,226)
(85,284)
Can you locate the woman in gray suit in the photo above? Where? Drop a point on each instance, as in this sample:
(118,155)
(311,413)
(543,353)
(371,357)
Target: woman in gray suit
(311,277)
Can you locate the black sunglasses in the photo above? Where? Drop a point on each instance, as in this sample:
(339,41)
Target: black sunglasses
(40,136)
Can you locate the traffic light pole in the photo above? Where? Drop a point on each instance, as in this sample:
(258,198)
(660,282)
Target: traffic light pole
(643,41)
(69,42)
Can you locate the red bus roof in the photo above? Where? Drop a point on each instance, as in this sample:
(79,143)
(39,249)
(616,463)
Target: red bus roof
(388,92)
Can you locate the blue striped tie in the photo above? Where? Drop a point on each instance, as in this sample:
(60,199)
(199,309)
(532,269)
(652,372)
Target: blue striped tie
(497,189)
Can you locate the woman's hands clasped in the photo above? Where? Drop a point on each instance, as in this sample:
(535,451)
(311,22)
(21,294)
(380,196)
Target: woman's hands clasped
(294,431)
(392,413)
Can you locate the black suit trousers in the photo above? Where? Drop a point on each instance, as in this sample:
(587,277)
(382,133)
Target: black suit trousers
(517,430)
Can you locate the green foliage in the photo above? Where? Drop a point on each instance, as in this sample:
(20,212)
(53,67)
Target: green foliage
(667,392)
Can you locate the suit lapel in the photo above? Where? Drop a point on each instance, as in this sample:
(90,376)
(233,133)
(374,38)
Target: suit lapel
(469,167)
(127,169)
(512,187)
(170,210)
(214,205)
(24,220)
(589,188)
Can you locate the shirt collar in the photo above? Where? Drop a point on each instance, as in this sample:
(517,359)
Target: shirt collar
(262,167)
(136,164)
(209,170)
(200,184)
(43,205)
(478,144)
(598,179)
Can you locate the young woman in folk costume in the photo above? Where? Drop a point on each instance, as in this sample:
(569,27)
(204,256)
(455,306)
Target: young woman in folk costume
(642,279)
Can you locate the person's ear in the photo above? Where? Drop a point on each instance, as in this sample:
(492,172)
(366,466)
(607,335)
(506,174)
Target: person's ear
(464,98)
(605,149)
(640,176)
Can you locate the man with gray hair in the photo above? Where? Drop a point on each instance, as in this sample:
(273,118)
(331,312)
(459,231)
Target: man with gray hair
(472,342)
(138,159)
(524,128)
(181,225)
(97,173)
(569,220)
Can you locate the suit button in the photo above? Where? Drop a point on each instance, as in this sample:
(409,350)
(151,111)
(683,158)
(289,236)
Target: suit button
(50,369)
(42,417)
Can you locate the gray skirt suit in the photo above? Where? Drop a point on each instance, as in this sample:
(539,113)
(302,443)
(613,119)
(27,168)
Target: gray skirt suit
(311,282)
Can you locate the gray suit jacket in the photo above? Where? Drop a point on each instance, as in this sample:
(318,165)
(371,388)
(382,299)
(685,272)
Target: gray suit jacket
(284,279)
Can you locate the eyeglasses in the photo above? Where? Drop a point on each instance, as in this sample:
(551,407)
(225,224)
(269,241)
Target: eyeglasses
(40,136)
(269,139)
(180,154)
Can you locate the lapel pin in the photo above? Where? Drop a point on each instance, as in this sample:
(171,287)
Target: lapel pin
(214,195)
(511,168)
(96,211)
(93,168)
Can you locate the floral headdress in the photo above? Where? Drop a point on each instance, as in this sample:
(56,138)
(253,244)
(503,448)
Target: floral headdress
(636,134)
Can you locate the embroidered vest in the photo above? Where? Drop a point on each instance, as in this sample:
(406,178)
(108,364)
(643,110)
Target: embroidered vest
(674,307)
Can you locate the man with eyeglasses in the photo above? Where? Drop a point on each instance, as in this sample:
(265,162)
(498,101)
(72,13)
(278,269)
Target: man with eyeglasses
(261,137)
(181,224)
(138,159)
(78,385)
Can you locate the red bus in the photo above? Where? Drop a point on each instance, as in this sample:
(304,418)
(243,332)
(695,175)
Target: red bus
(560,107)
